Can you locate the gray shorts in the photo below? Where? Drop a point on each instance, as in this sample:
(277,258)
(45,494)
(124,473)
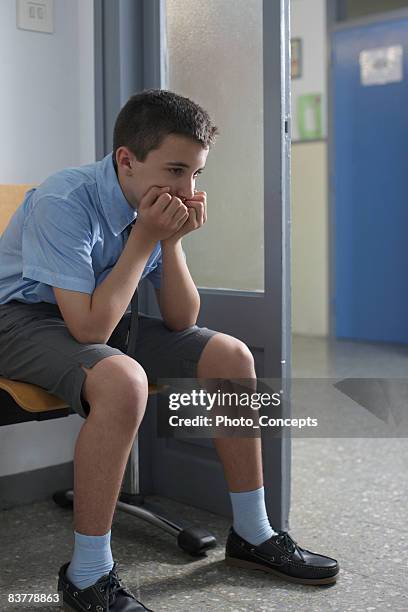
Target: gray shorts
(36,347)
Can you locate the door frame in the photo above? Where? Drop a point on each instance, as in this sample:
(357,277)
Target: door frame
(335,8)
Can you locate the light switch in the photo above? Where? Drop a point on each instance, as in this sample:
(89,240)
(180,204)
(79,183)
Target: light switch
(36,15)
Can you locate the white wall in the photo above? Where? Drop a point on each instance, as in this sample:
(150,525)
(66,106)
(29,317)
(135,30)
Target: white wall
(47,123)
(308,22)
(310,232)
(86,81)
(310,241)
(46,106)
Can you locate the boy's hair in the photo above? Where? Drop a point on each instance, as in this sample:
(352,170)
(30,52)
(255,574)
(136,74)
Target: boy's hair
(148,117)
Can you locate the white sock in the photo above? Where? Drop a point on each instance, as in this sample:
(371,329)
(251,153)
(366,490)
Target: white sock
(250,519)
(92,559)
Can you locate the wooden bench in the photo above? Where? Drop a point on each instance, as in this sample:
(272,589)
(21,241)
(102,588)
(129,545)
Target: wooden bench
(20,401)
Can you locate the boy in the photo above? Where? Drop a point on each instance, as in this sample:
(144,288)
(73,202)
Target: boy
(69,268)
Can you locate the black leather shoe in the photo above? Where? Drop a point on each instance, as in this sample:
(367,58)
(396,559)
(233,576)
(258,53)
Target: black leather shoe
(106,595)
(280,555)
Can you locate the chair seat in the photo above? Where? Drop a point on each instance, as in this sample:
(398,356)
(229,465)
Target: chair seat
(31,397)
(36,399)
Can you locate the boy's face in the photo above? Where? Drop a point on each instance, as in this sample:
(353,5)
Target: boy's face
(176,164)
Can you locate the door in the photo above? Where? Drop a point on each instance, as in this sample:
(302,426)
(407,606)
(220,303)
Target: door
(370,180)
(232,58)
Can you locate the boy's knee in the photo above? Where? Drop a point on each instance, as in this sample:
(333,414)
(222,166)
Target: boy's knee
(116,383)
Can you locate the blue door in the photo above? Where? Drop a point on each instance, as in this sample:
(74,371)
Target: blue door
(370,181)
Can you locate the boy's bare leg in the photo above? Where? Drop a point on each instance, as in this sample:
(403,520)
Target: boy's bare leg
(242,462)
(117,390)
(228,358)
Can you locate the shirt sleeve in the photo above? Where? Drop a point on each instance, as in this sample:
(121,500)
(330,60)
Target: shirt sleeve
(155,275)
(57,245)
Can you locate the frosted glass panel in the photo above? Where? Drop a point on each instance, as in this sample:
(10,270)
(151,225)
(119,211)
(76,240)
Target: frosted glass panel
(215,58)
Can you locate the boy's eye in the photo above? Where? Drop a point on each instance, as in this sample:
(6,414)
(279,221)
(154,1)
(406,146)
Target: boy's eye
(179,171)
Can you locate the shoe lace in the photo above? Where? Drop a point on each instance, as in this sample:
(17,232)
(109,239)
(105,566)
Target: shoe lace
(112,586)
(289,543)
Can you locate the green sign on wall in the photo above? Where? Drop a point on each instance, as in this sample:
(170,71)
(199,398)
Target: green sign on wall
(309,116)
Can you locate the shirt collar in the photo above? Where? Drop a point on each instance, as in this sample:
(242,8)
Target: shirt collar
(116,209)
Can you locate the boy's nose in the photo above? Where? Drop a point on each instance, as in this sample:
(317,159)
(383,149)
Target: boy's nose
(186,191)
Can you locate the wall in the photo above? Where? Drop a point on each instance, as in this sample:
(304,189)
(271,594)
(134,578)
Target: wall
(308,22)
(310,245)
(47,120)
(47,108)
(86,93)
(310,239)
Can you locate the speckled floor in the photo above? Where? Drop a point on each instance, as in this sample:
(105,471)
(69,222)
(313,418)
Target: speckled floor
(349,501)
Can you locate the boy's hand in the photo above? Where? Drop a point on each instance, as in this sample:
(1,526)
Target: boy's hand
(197,216)
(159,215)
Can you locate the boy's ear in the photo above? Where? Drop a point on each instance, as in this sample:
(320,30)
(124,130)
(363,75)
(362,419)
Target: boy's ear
(125,157)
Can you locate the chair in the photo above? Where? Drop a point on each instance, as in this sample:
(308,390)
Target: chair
(21,402)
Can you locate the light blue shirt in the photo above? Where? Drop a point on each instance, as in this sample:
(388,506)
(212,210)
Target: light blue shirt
(69,232)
